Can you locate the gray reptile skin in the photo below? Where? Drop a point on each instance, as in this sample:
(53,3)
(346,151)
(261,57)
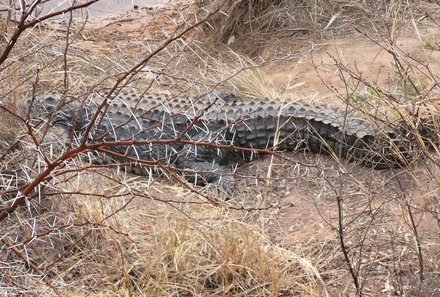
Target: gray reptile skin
(216,120)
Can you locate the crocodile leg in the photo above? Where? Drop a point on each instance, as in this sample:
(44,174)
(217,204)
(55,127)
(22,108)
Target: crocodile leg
(206,172)
(209,163)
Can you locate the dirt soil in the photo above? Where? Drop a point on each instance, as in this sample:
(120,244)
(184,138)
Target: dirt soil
(308,211)
(303,199)
(309,71)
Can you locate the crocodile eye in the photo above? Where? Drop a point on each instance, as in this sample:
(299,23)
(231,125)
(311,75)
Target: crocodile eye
(50,100)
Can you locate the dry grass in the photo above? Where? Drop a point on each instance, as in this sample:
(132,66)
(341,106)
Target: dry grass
(104,233)
(258,20)
(101,233)
(126,244)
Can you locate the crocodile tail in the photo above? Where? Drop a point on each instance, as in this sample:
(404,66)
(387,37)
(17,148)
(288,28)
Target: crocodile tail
(318,136)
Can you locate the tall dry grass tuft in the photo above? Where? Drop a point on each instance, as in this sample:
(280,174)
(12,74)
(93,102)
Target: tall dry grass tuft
(100,236)
(259,21)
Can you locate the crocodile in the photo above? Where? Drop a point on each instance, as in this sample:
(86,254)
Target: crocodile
(210,132)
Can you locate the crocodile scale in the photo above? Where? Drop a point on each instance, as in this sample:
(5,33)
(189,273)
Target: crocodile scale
(221,120)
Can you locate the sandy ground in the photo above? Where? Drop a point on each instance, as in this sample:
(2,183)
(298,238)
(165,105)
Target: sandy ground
(311,71)
(309,68)
(307,211)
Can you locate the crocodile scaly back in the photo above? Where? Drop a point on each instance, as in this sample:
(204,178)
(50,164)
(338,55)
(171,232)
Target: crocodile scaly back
(205,133)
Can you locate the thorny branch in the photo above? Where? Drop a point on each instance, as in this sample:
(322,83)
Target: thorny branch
(135,69)
(23,24)
(84,146)
(25,193)
(56,168)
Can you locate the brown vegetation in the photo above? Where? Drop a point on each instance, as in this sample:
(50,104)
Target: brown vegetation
(295,225)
